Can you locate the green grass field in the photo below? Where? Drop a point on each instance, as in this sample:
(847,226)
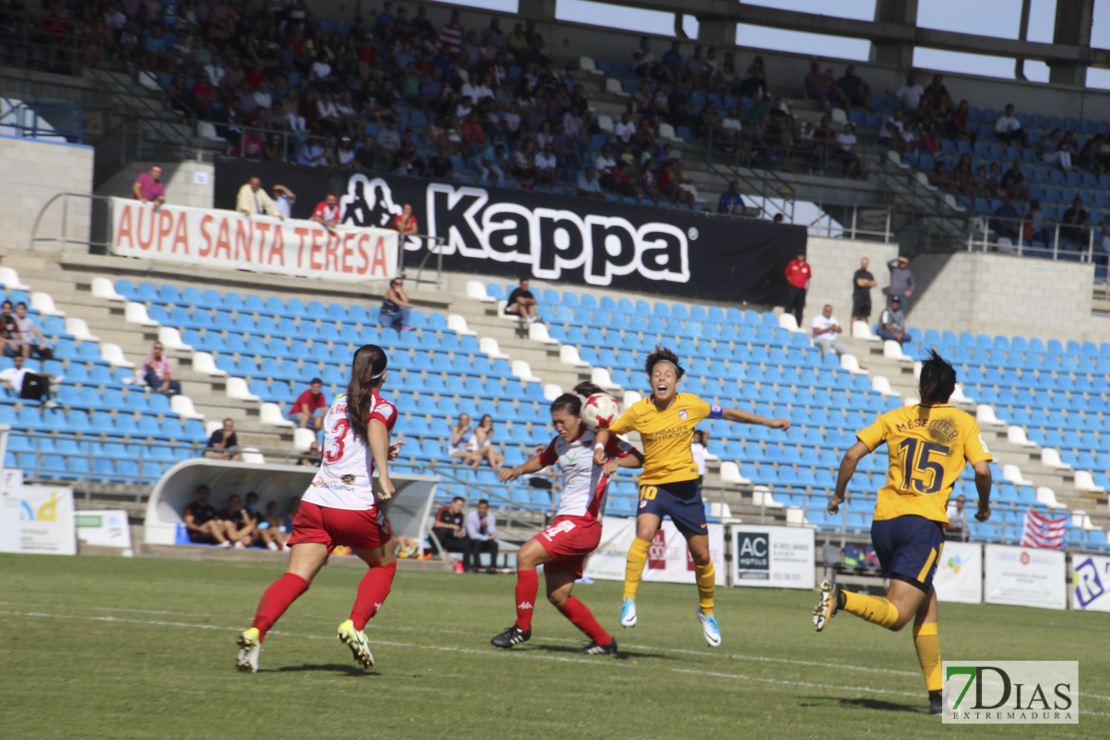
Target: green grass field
(144,648)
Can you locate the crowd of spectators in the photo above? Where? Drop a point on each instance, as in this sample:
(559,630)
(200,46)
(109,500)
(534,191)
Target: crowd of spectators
(468,534)
(239,523)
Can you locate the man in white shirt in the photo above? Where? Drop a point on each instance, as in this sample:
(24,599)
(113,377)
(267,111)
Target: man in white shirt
(1009,129)
(604,161)
(957,519)
(891,132)
(284,200)
(625,128)
(262,96)
(546,165)
(481,529)
(910,93)
(826,333)
(27,385)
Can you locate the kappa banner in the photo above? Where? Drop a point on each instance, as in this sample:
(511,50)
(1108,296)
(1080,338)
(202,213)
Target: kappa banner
(514,233)
(226,239)
(1024,576)
(1090,583)
(669,558)
(774,557)
(959,575)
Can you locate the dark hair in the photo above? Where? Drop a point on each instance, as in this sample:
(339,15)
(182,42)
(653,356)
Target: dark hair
(662,354)
(938,379)
(483,501)
(457,498)
(314,381)
(369,363)
(572,401)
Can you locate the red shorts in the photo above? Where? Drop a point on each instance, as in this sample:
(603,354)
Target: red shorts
(364,530)
(568,541)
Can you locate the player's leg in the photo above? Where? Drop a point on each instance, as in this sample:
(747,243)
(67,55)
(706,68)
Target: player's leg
(214,529)
(530,555)
(368,537)
(927,642)
(305,561)
(647,524)
(559,585)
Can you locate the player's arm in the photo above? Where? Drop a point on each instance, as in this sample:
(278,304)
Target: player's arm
(602,441)
(749,418)
(983,486)
(848,465)
(190,521)
(378,435)
(532,466)
(634,459)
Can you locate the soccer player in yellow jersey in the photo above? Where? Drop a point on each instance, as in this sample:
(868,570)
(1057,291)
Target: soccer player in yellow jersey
(669,481)
(928,444)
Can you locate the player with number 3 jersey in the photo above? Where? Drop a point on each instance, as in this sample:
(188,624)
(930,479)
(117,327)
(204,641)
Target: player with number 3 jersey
(929,445)
(342,506)
(576,531)
(669,483)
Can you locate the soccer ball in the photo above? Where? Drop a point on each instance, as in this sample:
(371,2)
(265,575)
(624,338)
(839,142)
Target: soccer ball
(599,411)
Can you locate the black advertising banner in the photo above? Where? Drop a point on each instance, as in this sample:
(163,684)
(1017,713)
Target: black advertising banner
(515,233)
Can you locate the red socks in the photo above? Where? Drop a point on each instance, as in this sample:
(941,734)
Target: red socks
(281,593)
(372,592)
(527,585)
(580,616)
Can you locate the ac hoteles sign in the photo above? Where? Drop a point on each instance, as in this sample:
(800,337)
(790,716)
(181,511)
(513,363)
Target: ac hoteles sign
(517,233)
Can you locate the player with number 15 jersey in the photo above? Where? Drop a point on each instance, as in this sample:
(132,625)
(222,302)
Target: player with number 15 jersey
(576,531)
(342,506)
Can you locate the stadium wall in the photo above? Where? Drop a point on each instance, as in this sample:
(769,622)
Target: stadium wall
(834,262)
(785,71)
(188,183)
(31,173)
(1003,294)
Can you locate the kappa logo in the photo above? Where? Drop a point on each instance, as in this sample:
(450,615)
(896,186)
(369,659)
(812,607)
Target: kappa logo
(368,202)
(524,605)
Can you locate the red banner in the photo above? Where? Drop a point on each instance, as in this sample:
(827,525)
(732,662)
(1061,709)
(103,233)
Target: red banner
(226,239)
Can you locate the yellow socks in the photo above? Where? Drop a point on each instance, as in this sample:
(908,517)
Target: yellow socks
(927,642)
(637,559)
(706,579)
(874,609)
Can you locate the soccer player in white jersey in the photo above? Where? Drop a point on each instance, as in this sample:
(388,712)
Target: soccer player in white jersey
(341,507)
(576,531)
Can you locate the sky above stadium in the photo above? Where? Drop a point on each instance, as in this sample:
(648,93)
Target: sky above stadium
(998,18)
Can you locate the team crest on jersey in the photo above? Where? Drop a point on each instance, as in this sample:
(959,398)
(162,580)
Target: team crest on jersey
(348,479)
(682,414)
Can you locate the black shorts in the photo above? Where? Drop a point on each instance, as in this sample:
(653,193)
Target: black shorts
(861,307)
(909,548)
(680,501)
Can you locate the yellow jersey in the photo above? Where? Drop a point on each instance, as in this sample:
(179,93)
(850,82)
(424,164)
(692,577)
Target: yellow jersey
(666,436)
(928,447)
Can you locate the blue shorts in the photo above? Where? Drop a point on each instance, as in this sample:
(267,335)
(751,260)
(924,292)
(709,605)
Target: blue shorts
(908,548)
(680,501)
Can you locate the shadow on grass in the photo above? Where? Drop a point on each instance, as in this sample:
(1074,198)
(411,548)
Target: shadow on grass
(622,654)
(350,670)
(884,706)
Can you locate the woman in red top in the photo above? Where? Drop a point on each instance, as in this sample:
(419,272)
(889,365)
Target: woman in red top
(204,95)
(405,222)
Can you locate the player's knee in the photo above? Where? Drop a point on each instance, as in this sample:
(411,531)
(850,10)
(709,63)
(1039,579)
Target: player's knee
(557,599)
(701,559)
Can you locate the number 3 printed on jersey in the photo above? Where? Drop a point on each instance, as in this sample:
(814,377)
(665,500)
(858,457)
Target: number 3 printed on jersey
(333,453)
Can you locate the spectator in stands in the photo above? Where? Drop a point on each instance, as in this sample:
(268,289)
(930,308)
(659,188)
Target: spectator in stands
(223,444)
(522,302)
(1076,220)
(11,338)
(939,178)
(956,529)
(157,372)
(845,142)
(149,188)
(310,459)
(1053,150)
(458,446)
(862,283)
(1007,220)
(909,94)
(240,526)
(1034,225)
(449,530)
(731,202)
(963,179)
(252,200)
(1008,128)
(33,340)
(405,222)
(283,201)
(589,185)
(481,531)
(891,132)
(1013,183)
(481,443)
(959,126)
(798,274)
(643,60)
(202,524)
(936,93)
(816,86)
(892,322)
(672,66)
(901,279)
(396,306)
(272,530)
(827,331)
(754,85)
(698,450)
(27,385)
(852,90)
(311,406)
(327,212)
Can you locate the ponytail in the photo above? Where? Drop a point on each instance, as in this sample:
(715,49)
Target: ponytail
(367,370)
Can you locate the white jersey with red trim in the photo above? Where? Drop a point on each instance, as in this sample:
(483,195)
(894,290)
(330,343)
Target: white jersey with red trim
(345,477)
(584,486)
